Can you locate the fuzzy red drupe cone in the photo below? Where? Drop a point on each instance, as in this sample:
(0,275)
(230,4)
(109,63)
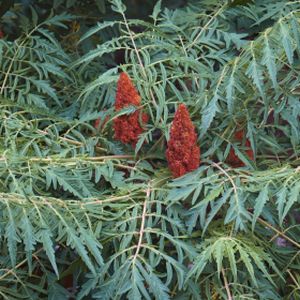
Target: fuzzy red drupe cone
(128,127)
(183,153)
(232,158)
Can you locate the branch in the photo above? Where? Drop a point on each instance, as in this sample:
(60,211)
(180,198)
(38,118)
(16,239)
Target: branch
(230,179)
(263,222)
(229,297)
(206,25)
(139,58)
(141,233)
(11,271)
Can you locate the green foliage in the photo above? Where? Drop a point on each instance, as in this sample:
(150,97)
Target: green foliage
(32,65)
(85,217)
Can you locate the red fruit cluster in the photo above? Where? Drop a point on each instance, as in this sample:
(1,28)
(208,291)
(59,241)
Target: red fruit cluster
(128,127)
(232,158)
(1,34)
(183,154)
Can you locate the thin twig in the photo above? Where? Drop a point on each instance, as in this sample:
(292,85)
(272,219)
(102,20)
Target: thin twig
(141,233)
(236,196)
(15,56)
(294,279)
(259,219)
(92,158)
(139,58)
(11,271)
(184,50)
(263,222)
(206,26)
(72,141)
(229,297)
(228,176)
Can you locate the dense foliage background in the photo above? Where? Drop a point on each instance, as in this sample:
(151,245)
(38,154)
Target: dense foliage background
(84,216)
